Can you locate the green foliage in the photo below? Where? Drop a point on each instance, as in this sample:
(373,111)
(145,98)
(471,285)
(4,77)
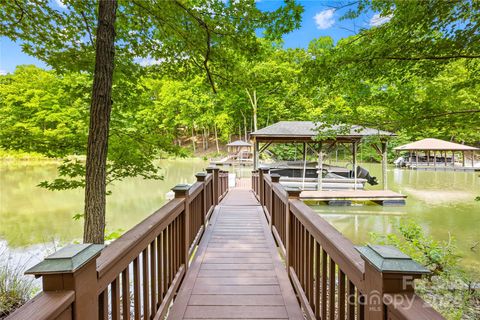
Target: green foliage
(115,234)
(450,287)
(438,256)
(44,113)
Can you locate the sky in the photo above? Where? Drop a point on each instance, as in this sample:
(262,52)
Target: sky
(319,19)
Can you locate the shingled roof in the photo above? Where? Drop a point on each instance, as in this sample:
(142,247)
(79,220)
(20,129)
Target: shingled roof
(239,143)
(308,129)
(435,144)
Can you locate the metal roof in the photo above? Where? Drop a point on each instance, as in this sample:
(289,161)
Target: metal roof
(239,143)
(309,129)
(435,144)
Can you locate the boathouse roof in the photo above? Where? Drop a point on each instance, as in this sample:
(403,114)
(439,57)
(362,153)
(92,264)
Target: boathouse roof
(307,130)
(239,143)
(434,144)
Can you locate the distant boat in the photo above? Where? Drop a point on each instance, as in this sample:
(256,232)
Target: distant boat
(333,177)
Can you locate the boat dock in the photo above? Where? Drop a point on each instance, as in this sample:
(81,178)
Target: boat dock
(347,197)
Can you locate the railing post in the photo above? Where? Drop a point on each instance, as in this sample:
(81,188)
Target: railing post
(181,191)
(261,173)
(221,182)
(293,193)
(73,268)
(387,270)
(275,179)
(215,181)
(201,178)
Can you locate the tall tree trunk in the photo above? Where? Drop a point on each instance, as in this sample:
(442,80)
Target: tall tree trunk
(100,109)
(216,137)
(244,125)
(207,136)
(254,103)
(193,139)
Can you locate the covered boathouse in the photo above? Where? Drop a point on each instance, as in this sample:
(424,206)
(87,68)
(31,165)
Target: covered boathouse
(436,154)
(323,139)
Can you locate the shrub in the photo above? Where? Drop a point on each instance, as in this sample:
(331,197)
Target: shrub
(450,289)
(15,288)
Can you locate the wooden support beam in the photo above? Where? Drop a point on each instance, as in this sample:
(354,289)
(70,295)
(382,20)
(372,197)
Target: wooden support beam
(384,165)
(256,154)
(265,146)
(320,167)
(304,164)
(354,154)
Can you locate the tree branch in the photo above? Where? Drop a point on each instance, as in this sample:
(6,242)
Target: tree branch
(208,49)
(88,28)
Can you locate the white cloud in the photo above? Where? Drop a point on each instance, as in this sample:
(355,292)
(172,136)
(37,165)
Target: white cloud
(324,19)
(377,20)
(3,72)
(60,4)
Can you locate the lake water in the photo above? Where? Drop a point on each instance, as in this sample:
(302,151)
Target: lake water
(33,219)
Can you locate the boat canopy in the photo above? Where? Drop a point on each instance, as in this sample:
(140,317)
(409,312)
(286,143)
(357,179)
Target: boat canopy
(239,143)
(434,144)
(291,131)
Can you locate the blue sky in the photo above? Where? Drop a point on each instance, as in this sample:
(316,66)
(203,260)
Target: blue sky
(319,19)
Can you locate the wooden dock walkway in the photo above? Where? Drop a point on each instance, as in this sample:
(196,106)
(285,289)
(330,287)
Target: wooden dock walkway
(237,272)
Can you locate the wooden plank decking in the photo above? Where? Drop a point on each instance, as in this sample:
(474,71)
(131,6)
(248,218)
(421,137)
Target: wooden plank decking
(237,272)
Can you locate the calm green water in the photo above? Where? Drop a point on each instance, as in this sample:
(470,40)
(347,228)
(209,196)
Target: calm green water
(442,202)
(31,215)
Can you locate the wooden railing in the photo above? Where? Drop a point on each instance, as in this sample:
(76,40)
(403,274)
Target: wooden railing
(331,278)
(137,275)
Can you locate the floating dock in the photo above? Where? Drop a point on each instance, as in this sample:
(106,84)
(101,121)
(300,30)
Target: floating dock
(347,197)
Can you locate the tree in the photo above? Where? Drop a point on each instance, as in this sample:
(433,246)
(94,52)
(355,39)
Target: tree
(43,112)
(101,107)
(395,72)
(186,36)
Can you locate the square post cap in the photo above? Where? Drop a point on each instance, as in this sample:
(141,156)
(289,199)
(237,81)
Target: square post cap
(67,260)
(264,169)
(293,192)
(212,168)
(388,259)
(201,176)
(275,177)
(181,190)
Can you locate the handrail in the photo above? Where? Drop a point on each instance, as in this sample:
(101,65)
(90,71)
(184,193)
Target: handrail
(339,248)
(127,247)
(409,307)
(146,264)
(330,276)
(46,306)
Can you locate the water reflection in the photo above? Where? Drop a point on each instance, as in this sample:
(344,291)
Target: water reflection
(31,215)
